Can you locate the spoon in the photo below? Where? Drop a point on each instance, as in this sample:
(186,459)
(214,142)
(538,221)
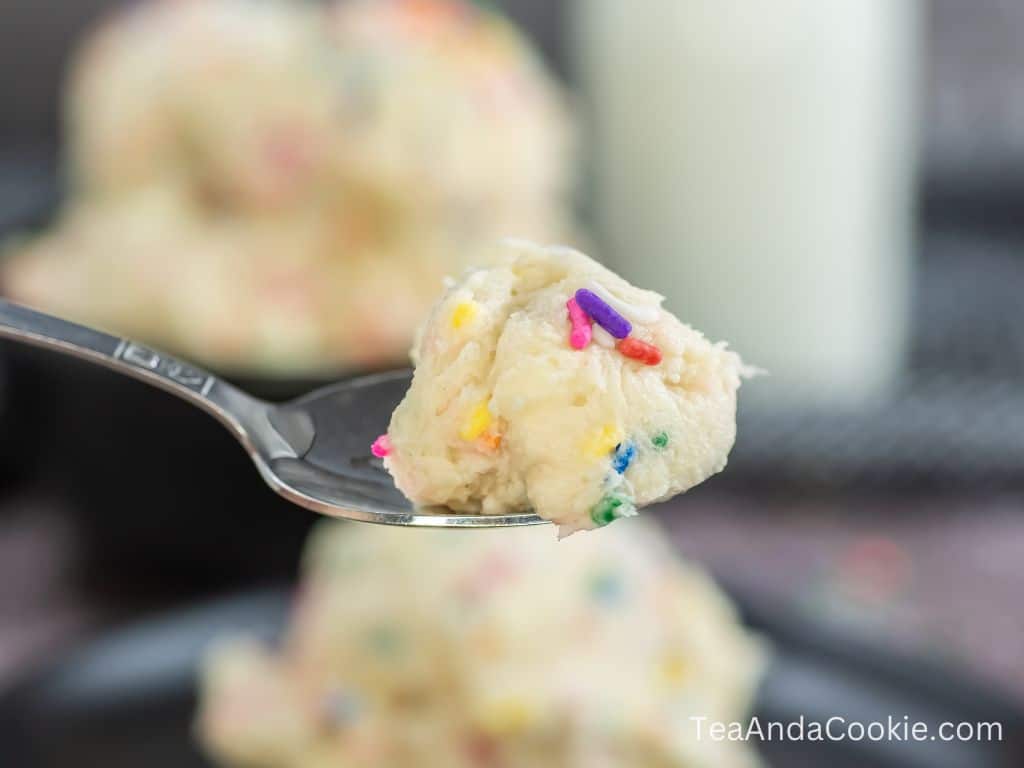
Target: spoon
(314,451)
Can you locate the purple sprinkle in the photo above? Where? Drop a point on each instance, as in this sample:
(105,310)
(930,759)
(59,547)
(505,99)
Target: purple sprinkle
(603,315)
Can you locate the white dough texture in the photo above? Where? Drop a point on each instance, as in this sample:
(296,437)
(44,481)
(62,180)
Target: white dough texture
(504,415)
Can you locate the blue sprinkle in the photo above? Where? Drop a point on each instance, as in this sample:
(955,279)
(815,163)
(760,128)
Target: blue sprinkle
(607,587)
(624,454)
(341,707)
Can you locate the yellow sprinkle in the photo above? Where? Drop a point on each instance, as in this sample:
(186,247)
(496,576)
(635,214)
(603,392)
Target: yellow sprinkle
(602,441)
(508,716)
(674,669)
(477,423)
(463,313)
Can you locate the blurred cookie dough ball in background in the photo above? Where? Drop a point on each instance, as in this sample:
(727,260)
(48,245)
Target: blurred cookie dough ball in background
(112,264)
(479,648)
(332,163)
(225,96)
(448,105)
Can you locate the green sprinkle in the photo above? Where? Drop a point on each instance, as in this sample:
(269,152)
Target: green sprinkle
(606,510)
(385,640)
(660,440)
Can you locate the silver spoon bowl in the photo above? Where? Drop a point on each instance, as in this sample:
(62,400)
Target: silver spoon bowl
(313,451)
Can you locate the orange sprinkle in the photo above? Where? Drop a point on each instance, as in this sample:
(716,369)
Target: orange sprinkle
(491,441)
(633,348)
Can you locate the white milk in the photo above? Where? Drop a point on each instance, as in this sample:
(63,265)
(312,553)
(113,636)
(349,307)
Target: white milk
(753,160)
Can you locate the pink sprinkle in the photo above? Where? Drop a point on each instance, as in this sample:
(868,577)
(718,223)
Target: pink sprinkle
(581,333)
(381,446)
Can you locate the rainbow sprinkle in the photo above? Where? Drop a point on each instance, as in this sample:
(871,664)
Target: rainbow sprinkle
(606,587)
(603,314)
(602,441)
(385,639)
(660,440)
(477,423)
(609,509)
(381,446)
(491,441)
(674,669)
(341,707)
(624,455)
(507,717)
(635,349)
(613,329)
(579,336)
(463,314)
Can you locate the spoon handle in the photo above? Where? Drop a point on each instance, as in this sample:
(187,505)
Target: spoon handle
(232,407)
(245,416)
(124,356)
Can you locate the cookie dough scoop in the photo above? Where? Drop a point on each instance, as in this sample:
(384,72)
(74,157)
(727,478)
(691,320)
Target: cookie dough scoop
(548,383)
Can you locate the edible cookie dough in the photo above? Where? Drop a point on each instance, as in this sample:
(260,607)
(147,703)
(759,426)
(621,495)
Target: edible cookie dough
(516,651)
(548,382)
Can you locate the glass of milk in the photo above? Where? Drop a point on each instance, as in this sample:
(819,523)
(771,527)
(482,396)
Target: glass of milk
(754,161)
